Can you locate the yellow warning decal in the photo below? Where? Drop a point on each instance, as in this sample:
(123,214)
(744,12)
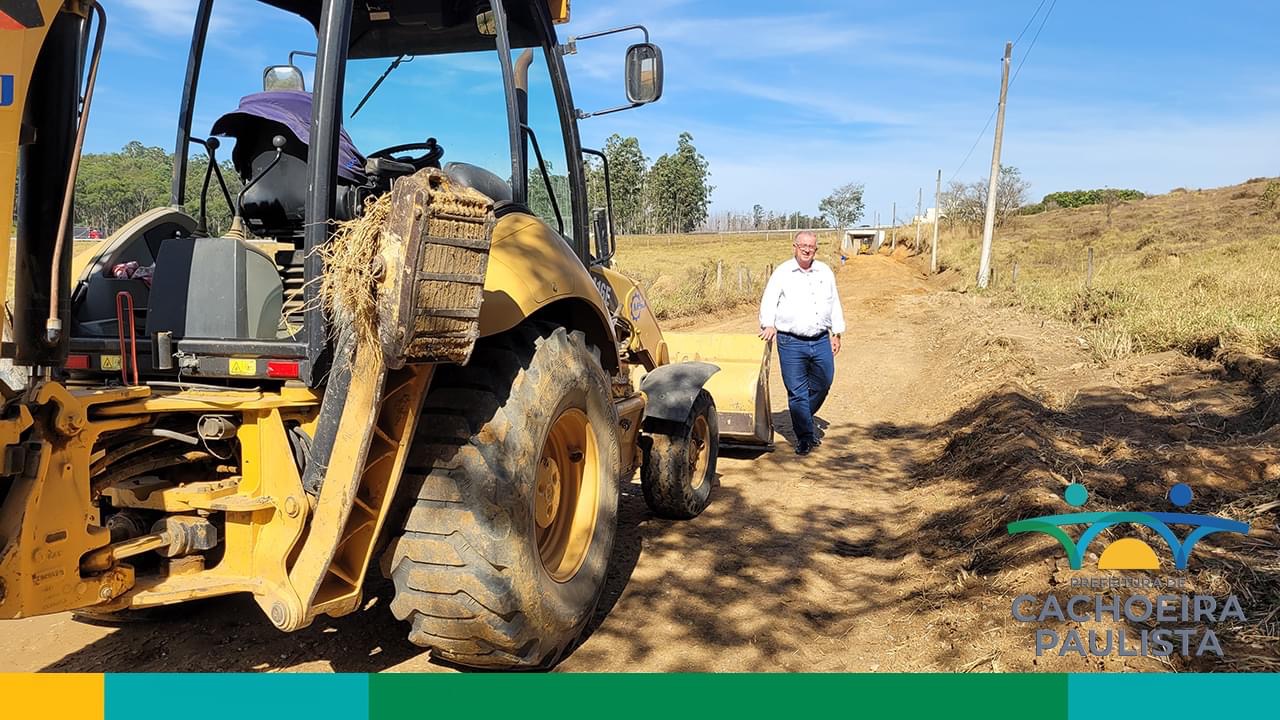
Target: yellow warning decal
(242,366)
(110,362)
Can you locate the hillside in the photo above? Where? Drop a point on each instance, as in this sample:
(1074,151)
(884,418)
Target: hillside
(1192,270)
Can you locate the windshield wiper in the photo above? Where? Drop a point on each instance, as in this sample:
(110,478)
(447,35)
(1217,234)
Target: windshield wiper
(394,64)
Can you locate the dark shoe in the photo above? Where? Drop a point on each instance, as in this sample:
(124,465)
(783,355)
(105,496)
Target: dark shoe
(804,448)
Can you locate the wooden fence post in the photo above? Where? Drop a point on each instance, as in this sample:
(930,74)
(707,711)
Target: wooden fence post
(1015,273)
(719,275)
(1088,278)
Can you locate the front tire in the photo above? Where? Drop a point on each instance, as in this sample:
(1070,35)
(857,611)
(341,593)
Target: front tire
(679,461)
(514,477)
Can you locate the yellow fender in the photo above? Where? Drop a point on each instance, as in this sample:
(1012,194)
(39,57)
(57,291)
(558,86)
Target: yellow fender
(533,271)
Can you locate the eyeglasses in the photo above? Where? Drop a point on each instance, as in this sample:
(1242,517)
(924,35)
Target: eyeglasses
(803,248)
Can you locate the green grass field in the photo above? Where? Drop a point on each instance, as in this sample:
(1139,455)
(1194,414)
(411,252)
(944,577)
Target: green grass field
(1190,270)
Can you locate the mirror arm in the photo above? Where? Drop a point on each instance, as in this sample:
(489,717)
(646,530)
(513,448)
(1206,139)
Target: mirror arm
(572,43)
(583,115)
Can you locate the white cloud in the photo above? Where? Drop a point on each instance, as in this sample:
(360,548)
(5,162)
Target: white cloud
(164,15)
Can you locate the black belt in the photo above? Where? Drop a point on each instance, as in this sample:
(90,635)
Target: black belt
(811,338)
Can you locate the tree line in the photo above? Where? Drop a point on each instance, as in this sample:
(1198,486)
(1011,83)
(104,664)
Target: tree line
(966,203)
(669,195)
(761,219)
(113,188)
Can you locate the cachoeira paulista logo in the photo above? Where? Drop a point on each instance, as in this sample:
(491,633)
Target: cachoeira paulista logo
(1171,622)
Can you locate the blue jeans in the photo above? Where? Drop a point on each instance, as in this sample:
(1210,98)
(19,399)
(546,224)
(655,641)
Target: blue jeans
(808,368)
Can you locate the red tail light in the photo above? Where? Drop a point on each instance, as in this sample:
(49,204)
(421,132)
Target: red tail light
(283,369)
(77,362)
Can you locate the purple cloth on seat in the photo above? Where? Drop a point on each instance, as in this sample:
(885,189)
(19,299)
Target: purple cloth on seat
(291,108)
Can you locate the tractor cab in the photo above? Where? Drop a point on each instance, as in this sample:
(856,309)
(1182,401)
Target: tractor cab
(176,295)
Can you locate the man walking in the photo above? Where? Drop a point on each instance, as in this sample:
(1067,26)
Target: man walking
(801,310)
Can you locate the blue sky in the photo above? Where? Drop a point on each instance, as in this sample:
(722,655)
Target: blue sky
(789,100)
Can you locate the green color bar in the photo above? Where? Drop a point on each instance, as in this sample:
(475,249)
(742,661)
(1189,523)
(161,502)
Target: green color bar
(617,697)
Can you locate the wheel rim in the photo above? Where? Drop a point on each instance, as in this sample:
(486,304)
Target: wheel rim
(699,452)
(566,495)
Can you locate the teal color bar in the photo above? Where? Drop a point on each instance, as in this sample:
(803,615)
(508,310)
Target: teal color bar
(617,697)
(234,696)
(1184,694)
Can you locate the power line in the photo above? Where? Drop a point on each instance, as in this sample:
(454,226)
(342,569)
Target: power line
(992,116)
(1029,21)
(1035,37)
(974,146)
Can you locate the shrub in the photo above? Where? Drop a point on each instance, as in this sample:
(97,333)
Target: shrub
(1080,198)
(1269,202)
(1091,307)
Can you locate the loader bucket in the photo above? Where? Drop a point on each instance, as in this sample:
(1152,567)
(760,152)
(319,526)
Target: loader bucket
(740,389)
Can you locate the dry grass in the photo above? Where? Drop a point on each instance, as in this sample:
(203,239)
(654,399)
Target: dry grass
(347,287)
(678,272)
(1191,270)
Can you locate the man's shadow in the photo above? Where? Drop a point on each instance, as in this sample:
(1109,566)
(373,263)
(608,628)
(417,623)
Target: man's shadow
(782,426)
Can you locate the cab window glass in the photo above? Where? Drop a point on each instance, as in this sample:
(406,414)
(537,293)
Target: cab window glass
(544,119)
(457,99)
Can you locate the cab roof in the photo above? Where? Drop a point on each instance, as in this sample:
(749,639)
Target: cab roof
(388,28)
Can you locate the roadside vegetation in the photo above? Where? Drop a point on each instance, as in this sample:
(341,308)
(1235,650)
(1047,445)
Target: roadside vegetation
(1192,270)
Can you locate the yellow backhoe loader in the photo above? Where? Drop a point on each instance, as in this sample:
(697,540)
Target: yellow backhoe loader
(383,357)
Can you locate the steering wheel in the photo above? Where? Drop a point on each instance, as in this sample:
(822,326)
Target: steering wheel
(430,158)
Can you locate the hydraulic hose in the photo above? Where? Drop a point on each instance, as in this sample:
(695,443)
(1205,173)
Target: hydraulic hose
(53,324)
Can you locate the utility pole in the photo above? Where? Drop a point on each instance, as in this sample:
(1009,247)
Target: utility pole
(919,204)
(989,227)
(894,244)
(937,218)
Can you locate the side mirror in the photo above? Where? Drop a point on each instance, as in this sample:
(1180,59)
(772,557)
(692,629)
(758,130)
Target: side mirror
(643,70)
(282,77)
(644,73)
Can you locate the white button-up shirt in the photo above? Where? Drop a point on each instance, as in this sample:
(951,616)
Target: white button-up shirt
(802,302)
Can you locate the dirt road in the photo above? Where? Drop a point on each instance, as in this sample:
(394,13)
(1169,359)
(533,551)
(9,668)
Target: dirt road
(884,550)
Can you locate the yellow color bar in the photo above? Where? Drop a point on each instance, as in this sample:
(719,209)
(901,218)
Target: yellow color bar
(52,697)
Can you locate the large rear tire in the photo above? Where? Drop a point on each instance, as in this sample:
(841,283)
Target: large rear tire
(679,461)
(514,480)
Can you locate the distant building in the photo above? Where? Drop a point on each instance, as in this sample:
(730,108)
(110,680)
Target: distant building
(928,218)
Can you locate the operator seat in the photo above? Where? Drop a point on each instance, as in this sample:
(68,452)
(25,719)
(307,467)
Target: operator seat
(276,203)
(479,179)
